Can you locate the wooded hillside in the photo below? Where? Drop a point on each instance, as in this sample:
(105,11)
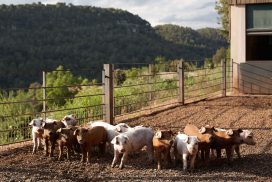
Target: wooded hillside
(40,37)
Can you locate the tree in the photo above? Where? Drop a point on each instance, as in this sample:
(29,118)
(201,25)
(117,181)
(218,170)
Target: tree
(208,63)
(58,82)
(220,54)
(223,9)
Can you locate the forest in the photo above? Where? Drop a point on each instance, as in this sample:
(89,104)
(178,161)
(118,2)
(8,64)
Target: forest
(37,37)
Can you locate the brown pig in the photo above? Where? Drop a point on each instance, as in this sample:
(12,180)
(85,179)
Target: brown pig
(90,137)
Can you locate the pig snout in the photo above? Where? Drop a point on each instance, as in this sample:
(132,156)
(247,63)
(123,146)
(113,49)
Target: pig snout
(192,148)
(80,141)
(249,141)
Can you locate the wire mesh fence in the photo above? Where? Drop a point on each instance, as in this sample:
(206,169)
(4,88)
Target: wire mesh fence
(137,89)
(18,106)
(145,87)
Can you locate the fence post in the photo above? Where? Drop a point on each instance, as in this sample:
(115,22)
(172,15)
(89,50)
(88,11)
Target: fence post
(151,72)
(108,91)
(181,82)
(44,94)
(224,78)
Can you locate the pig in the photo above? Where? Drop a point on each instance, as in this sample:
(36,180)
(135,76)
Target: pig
(90,137)
(68,139)
(111,129)
(162,142)
(226,140)
(69,120)
(187,147)
(131,141)
(245,137)
(50,135)
(205,137)
(37,132)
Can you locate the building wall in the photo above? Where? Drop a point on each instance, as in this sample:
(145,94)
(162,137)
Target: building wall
(249,77)
(238,40)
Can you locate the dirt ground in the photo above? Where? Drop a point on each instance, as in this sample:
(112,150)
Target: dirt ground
(231,112)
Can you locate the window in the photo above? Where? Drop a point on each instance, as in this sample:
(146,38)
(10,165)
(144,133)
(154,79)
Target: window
(259,32)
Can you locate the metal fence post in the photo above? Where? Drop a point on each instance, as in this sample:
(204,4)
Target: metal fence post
(108,91)
(44,94)
(224,77)
(181,82)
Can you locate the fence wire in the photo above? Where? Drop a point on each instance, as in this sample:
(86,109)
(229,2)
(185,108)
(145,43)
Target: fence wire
(138,88)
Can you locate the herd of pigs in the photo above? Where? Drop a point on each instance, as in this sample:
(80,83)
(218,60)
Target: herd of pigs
(191,146)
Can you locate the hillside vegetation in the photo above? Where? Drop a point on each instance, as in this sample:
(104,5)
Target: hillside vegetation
(40,37)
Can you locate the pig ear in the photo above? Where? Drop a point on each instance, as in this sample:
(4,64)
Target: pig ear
(202,130)
(59,130)
(185,139)
(158,134)
(118,128)
(31,123)
(43,124)
(73,115)
(76,132)
(230,132)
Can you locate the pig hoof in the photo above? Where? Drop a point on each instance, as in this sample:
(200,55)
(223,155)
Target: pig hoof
(121,167)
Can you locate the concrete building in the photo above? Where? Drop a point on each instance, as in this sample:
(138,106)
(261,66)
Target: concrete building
(251,45)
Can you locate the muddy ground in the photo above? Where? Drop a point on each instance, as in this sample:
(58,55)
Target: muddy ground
(232,112)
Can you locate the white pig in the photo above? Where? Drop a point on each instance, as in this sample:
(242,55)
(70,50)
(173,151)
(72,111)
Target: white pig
(131,141)
(37,132)
(186,146)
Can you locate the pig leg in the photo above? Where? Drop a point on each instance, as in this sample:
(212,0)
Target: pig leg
(159,160)
(184,159)
(207,156)
(52,148)
(69,151)
(218,153)
(46,142)
(237,150)
(123,160)
(39,143)
(89,155)
(229,154)
(60,151)
(175,156)
(192,164)
(34,145)
(168,157)
(150,151)
(115,159)
(83,156)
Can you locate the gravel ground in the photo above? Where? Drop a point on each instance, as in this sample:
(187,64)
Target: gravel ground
(231,112)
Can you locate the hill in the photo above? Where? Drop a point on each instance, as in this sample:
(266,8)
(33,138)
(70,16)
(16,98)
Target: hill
(208,38)
(40,37)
